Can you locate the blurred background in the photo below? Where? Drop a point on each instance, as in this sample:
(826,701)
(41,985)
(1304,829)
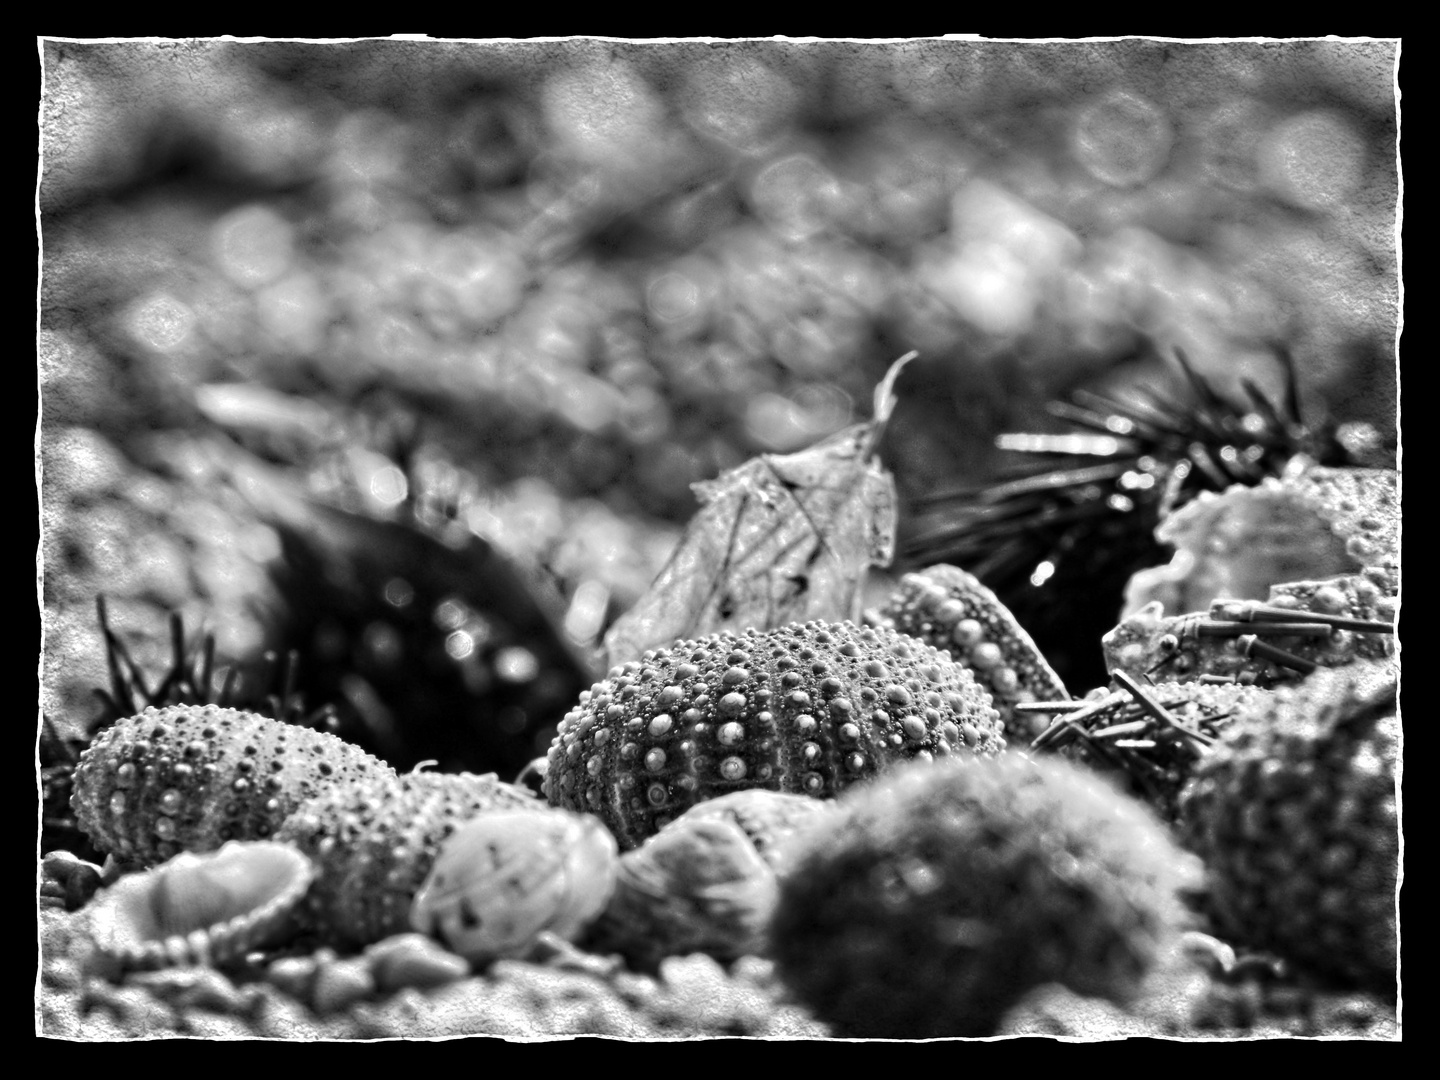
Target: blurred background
(404,355)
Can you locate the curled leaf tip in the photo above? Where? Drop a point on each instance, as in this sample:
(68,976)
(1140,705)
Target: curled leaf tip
(885,400)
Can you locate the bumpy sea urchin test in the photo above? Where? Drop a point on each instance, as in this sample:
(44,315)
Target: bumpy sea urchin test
(189,778)
(950,609)
(1294,813)
(374,842)
(936,898)
(807,708)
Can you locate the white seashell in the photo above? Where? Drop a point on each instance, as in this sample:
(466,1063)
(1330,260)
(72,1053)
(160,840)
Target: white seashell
(208,908)
(505,877)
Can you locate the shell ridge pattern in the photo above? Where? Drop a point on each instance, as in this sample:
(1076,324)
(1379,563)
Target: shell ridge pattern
(953,611)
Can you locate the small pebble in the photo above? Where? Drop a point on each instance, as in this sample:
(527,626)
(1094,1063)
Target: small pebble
(192,988)
(413,960)
(294,974)
(339,985)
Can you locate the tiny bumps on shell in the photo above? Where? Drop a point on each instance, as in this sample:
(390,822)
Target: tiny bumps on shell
(806,708)
(1149,643)
(373,841)
(953,611)
(1314,522)
(1295,814)
(508,876)
(1372,595)
(190,778)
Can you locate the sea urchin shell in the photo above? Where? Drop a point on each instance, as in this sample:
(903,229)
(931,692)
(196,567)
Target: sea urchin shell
(189,778)
(807,708)
(1295,815)
(950,609)
(208,908)
(1313,523)
(374,841)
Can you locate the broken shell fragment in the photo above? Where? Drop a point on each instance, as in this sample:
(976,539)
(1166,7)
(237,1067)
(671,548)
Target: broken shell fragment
(1312,523)
(698,885)
(505,877)
(769,818)
(1332,622)
(208,908)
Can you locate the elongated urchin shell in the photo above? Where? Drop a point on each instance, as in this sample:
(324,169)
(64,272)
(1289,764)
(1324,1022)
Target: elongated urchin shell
(938,896)
(209,908)
(507,876)
(1294,814)
(807,708)
(374,840)
(190,778)
(953,611)
(706,882)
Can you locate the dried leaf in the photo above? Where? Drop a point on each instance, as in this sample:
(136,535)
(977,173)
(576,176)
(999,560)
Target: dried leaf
(781,539)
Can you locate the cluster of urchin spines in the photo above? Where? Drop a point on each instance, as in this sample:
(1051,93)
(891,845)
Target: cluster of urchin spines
(1295,815)
(1152,758)
(951,610)
(191,777)
(808,708)
(939,895)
